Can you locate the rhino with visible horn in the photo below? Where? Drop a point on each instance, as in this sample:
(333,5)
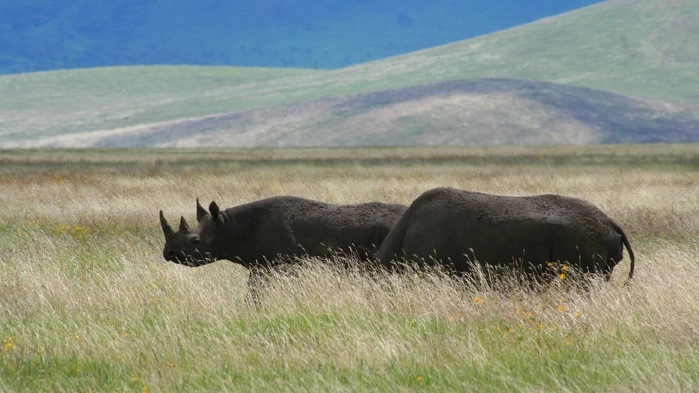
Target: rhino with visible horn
(261,233)
(457,228)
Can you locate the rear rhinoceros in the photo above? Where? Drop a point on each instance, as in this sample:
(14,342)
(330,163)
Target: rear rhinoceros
(260,234)
(459,228)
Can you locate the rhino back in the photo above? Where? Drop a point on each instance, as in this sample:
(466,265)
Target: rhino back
(343,227)
(297,226)
(457,225)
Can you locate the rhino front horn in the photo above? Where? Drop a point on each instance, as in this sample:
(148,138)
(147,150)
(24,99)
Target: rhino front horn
(167,230)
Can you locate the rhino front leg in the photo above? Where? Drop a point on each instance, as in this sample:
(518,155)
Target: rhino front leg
(257,281)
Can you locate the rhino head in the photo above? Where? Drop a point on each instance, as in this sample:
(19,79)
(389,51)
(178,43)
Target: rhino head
(198,246)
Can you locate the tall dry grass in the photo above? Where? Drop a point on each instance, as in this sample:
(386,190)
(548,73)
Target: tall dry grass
(88,304)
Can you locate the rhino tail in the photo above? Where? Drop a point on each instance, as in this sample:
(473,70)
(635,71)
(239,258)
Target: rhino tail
(627,244)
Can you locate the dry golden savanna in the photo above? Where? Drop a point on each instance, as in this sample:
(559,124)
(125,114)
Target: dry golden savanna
(88,304)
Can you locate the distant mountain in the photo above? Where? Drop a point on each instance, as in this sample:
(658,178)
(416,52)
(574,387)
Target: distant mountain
(37,35)
(623,71)
(456,113)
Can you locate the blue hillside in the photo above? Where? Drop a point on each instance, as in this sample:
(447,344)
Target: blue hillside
(37,35)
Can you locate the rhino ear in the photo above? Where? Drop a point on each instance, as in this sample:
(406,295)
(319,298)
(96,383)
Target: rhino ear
(183,225)
(167,230)
(215,212)
(201,212)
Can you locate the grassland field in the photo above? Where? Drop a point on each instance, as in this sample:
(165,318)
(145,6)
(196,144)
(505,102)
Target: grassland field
(88,304)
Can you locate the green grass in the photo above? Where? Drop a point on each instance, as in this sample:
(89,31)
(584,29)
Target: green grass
(89,305)
(437,355)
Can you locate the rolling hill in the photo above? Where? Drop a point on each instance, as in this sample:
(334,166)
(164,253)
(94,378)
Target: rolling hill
(624,71)
(455,113)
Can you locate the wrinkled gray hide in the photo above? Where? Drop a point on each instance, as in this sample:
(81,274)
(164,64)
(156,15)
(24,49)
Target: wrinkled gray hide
(259,234)
(458,228)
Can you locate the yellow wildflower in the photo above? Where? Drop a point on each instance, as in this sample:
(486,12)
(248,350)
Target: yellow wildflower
(419,378)
(7,344)
(478,300)
(75,231)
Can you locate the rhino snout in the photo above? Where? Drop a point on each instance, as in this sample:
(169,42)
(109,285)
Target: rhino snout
(173,256)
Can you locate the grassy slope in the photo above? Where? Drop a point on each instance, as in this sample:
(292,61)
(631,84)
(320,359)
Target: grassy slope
(88,305)
(473,112)
(640,48)
(45,104)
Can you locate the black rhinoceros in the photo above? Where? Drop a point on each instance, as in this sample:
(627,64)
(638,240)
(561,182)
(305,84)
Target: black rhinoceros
(261,233)
(458,228)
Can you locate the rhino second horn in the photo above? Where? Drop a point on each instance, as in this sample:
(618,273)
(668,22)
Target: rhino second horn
(167,230)
(183,225)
